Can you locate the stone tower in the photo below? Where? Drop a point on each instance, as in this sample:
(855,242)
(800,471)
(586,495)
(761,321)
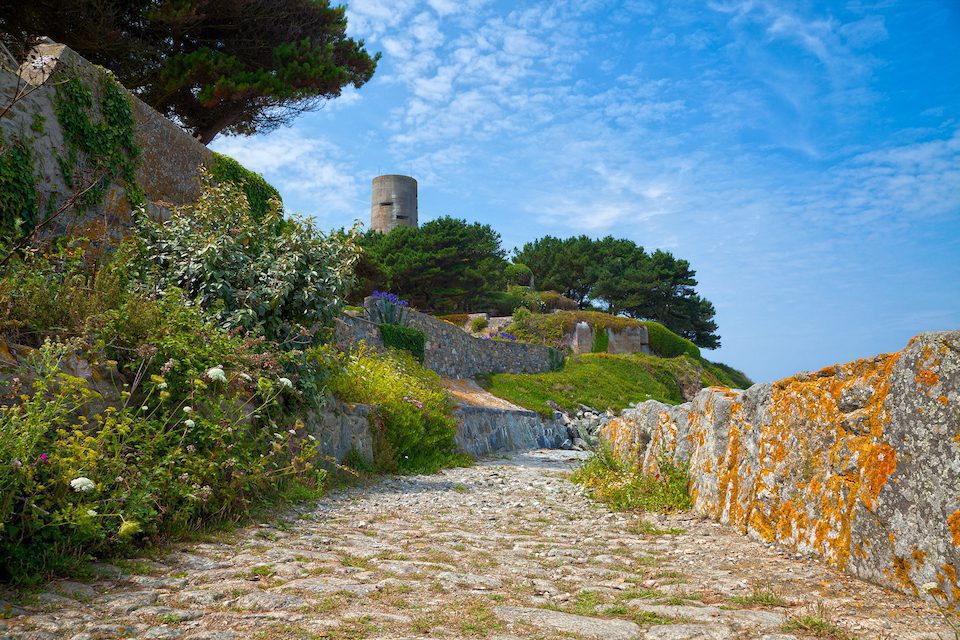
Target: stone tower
(393,203)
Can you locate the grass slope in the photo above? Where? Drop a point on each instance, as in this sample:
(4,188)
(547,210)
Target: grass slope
(598,380)
(604,381)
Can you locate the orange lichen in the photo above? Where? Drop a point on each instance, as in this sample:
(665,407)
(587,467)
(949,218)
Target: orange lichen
(928,377)
(943,400)
(953,523)
(880,463)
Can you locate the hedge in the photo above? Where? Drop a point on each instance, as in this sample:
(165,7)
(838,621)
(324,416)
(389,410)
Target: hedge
(667,344)
(404,338)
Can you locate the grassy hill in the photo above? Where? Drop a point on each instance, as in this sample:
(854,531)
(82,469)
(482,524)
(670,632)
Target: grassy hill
(605,381)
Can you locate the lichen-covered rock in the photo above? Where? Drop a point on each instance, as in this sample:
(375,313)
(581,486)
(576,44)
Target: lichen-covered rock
(856,463)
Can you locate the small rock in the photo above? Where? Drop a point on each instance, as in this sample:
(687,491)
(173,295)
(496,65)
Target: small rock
(600,628)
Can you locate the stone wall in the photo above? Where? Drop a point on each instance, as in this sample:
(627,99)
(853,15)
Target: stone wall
(857,463)
(169,159)
(482,430)
(341,428)
(453,353)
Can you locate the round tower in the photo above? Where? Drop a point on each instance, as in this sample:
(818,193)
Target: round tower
(394,203)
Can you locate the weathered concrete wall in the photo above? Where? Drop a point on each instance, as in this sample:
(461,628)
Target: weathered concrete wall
(482,430)
(341,428)
(857,463)
(167,170)
(453,353)
(628,340)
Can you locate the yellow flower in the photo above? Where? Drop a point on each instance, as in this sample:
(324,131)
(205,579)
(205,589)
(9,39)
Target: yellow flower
(129,528)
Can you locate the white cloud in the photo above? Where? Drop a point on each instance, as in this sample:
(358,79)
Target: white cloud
(305,168)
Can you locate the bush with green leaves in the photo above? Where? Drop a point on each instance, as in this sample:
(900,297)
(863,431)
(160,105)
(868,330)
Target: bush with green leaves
(277,276)
(409,339)
(74,484)
(414,413)
(479,324)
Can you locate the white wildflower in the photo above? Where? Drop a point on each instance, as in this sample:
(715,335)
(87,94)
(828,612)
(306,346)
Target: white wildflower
(41,61)
(189,424)
(82,484)
(162,385)
(285,383)
(292,432)
(312,438)
(216,374)
(188,409)
(91,512)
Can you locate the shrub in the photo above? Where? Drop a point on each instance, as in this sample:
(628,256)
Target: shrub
(667,344)
(626,488)
(501,303)
(601,340)
(479,324)
(258,191)
(553,300)
(414,411)
(518,273)
(408,339)
(73,485)
(270,275)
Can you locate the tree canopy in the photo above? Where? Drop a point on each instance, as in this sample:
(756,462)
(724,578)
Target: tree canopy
(234,66)
(445,265)
(621,278)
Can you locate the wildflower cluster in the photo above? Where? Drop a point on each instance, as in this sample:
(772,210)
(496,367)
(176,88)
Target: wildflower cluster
(391,298)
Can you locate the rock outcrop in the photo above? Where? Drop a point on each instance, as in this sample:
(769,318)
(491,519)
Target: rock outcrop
(857,463)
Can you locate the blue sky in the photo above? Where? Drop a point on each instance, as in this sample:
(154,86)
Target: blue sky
(803,156)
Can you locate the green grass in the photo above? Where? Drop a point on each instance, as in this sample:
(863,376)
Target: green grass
(717,374)
(624,488)
(598,380)
(817,624)
(760,597)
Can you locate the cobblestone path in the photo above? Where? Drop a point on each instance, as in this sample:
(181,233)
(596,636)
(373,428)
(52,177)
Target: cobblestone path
(506,549)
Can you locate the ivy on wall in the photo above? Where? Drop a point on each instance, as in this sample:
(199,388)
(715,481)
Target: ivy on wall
(107,145)
(18,189)
(259,192)
(601,340)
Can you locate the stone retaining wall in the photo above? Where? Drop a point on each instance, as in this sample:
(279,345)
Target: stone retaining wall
(858,463)
(341,428)
(167,170)
(453,353)
(482,431)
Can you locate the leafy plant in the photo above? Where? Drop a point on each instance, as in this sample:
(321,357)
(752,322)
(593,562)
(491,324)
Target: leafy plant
(279,277)
(479,324)
(387,308)
(414,410)
(80,480)
(409,339)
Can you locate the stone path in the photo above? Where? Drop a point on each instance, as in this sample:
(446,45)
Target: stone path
(506,549)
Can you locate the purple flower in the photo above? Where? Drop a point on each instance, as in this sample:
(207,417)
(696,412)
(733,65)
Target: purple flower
(392,298)
(43,457)
(503,335)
